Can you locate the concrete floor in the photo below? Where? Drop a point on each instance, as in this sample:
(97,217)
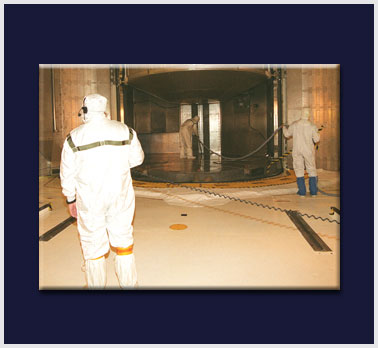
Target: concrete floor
(226,245)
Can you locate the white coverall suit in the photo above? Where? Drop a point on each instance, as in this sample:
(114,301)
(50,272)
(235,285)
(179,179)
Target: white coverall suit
(305,135)
(99,177)
(187,129)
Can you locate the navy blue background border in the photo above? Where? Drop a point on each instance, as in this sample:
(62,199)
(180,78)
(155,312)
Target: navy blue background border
(37,34)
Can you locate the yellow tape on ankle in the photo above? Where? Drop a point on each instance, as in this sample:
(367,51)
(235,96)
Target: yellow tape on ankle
(125,251)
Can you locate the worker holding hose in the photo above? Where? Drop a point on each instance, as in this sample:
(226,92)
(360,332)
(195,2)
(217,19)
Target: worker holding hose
(187,129)
(305,135)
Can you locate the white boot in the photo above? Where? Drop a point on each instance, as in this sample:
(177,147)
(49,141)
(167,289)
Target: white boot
(95,271)
(126,271)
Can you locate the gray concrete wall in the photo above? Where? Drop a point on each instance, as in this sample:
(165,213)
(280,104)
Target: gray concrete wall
(317,87)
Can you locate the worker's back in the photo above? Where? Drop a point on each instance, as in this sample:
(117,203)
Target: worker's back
(104,171)
(305,134)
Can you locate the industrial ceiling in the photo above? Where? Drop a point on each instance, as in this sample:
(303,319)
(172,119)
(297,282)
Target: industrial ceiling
(195,86)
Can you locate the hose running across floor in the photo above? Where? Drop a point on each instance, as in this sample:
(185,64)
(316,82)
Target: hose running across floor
(266,206)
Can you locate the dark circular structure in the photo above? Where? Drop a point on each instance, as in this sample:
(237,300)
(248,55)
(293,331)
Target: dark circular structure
(170,168)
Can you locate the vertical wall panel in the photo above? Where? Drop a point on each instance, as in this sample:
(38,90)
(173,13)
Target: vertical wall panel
(45,121)
(80,90)
(227,127)
(70,85)
(172,120)
(215,128)
(75,97)
(244,122)
(318,88)
(156,122)
(66,100)
(129,106)
(206,129)
(45,105)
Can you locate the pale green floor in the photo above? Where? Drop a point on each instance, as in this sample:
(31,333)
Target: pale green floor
(226,245)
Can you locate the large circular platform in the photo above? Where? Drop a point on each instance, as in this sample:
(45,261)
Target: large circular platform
(170,168)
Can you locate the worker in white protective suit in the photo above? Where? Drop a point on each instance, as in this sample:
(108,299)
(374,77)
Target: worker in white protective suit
(95,177)
(305,136)
(187,129)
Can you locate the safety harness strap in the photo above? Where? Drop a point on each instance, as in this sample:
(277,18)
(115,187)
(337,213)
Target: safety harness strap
(99,143)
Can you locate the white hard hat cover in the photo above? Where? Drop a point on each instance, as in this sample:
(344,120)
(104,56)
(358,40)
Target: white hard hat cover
(95,103)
